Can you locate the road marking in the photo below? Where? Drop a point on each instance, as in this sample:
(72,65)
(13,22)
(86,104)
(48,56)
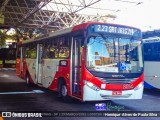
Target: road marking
(33,91)
(4,76)
(38,91)
(4,68)
(8,69)
(11,69)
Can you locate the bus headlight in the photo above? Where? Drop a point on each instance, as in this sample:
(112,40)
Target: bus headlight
(91,85)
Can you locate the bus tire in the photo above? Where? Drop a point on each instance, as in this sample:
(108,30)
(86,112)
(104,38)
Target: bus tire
(63,92)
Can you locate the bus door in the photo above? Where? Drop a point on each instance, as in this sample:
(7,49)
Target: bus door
(76,67)
(23,63)
(39,64)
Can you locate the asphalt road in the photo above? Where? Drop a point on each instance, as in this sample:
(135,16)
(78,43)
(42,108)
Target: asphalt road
(15,96)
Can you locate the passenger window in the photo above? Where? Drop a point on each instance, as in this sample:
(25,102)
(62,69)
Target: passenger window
(54,49)
(33,51)
(46,53)
(64,47)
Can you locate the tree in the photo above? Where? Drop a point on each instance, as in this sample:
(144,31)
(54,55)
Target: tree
(2,38)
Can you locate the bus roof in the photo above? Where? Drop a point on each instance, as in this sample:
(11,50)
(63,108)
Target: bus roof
(61,32)
(82,26)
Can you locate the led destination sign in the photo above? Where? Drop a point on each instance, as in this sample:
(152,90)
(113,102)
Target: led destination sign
(151,40)
(118,30)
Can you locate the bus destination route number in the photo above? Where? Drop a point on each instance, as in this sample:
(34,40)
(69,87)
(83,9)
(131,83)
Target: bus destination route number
(117,29)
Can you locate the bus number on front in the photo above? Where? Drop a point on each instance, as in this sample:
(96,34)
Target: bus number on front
(128,86)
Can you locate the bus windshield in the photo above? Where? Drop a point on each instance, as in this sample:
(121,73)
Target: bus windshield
(114,54)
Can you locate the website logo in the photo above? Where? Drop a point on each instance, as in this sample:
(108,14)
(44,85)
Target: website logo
(6,114)
(111,107)
(100,106)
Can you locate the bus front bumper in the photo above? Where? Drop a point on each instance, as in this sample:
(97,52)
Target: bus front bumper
(93,95)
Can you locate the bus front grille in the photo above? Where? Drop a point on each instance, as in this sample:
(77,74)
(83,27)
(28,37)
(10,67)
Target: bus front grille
(117,81)
(115,96)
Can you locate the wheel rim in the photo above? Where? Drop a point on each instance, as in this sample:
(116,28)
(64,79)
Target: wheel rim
(64,91)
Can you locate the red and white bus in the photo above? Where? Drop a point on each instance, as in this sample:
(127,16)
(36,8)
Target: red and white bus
(91,61)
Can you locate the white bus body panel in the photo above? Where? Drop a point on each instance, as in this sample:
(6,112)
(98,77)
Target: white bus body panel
(152,74)
(31,63)
(49,69)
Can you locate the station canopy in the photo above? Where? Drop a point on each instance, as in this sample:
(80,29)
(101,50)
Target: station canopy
(53,15)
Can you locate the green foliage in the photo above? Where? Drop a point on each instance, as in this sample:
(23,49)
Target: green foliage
(3,37)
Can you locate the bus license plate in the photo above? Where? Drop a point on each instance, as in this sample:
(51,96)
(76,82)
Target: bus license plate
(116,92)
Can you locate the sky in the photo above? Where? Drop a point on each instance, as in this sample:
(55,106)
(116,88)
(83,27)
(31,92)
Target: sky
(145,16)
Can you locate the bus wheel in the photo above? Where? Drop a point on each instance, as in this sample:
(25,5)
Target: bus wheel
(63,91)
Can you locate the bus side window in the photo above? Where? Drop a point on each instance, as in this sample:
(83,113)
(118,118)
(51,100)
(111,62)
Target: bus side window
(54,49)
(23,52)
(27,52)
(64,47)
(55,46)
(33,51)
(46,51)
(155,51)
(64,52)
(147,51)
(52,53)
